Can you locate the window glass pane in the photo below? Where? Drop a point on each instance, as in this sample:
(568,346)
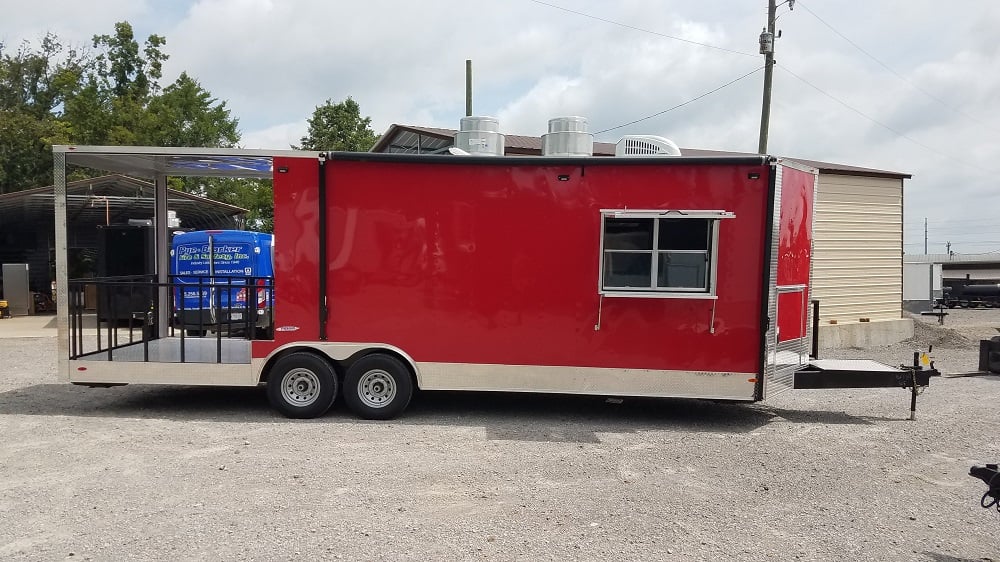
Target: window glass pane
(683,234)
(628,234)
(628,269)
(682,270)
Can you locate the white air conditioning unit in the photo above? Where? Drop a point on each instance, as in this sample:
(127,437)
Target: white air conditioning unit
(646,145)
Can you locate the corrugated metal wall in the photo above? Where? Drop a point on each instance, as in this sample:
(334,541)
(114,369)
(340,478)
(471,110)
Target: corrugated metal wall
(858,239)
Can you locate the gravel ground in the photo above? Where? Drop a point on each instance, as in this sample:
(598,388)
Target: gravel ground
(212,474)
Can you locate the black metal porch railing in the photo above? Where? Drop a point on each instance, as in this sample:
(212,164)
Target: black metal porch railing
(108,314)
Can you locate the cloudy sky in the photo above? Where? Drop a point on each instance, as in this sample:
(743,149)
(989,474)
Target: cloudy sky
(904,85)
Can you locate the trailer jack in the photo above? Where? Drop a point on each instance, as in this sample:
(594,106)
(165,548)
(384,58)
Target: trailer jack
(915,388)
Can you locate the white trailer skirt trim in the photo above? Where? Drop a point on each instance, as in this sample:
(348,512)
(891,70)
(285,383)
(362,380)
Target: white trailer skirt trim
(587,380)
(129,372)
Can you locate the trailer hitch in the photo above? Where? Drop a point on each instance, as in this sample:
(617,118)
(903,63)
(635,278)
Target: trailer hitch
(909,379)
(990,474)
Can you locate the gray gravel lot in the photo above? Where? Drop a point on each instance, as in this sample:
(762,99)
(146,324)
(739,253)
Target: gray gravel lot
(212,474)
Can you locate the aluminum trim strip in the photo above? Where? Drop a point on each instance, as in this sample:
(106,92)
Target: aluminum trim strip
(796,165)
(200,374)
(649,294)
(587,380)
(62,265)
(668,213)
(770,375)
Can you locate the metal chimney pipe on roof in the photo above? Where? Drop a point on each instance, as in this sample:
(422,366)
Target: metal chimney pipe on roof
(480,136)
(568,136)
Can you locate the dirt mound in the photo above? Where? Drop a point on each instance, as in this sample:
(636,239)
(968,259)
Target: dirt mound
(925,334)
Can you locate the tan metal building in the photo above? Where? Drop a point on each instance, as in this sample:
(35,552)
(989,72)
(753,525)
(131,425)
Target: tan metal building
(858,256)
(858,238)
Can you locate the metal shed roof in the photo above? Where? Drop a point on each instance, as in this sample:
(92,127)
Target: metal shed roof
(111,199)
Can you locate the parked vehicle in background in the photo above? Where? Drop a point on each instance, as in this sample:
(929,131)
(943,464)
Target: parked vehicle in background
(216,272)
(965,293)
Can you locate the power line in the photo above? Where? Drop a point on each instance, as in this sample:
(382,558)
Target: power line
(883,125)
(958,220)
(730,83)
(803,80)
(890,69)
(958,224)
(627,26)
(963,243)
(955,233)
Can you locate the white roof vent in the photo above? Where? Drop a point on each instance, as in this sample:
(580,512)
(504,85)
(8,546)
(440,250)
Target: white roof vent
(568,136)
(646,145)
(480,136)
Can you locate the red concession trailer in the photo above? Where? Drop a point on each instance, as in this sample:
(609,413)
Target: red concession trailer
(656,277)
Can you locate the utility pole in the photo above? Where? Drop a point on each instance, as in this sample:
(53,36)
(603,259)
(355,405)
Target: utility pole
(767,49)
(930,269)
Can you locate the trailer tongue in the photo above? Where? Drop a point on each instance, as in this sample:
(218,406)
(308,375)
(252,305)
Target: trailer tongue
(865,373)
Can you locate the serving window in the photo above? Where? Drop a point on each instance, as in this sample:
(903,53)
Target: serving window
(659,253)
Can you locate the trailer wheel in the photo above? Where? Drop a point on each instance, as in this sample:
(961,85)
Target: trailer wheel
(196,333)
(302,385)
(378,387)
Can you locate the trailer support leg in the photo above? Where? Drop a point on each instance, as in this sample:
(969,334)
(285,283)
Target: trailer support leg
(913,395)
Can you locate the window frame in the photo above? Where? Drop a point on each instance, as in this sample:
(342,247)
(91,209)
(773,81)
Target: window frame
(652,291)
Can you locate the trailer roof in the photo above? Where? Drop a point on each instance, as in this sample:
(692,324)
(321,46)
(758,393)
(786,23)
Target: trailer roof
(415,139)
(521,160)
(150,161)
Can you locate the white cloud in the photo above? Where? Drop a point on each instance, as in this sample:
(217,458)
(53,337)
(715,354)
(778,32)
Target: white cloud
(280,137)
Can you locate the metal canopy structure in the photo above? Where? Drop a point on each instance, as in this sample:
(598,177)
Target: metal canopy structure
(154,161)
(157,164)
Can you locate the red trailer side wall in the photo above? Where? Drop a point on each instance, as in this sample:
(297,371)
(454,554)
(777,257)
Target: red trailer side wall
(296,253)
(499,264)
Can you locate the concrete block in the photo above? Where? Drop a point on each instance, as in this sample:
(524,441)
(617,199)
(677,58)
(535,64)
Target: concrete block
(864,334)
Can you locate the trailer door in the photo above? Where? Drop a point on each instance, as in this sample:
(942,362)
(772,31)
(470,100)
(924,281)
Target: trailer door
(790,341)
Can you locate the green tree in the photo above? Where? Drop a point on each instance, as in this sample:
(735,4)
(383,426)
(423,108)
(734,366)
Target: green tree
(254,195)
(33,84)
(120,65)
(122,82)
(108,95)
(339,126)
(186,114)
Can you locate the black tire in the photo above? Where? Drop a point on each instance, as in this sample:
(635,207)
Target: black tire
(196,333)
(378,387)
(302,385)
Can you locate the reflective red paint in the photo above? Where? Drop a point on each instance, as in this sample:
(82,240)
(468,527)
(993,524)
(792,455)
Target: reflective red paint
(794,251)
(466,263)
